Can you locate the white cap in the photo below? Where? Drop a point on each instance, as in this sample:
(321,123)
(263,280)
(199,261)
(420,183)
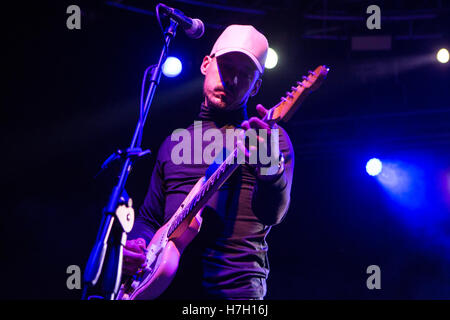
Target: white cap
(245,39)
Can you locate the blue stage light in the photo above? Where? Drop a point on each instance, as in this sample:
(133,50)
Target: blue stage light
(374,167)
(172,67)
(405,183)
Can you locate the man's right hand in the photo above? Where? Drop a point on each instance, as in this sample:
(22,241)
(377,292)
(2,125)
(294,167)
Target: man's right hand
(134,256)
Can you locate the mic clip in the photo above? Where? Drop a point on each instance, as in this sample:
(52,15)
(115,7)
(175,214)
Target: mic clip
(132,153)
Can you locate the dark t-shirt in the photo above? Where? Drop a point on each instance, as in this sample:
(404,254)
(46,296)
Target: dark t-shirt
(231,248)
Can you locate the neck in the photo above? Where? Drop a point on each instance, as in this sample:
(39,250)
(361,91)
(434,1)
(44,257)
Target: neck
(223,116)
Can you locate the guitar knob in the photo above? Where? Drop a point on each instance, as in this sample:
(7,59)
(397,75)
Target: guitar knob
(135,284)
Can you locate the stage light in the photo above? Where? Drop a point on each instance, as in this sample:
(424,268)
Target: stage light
(272,59)
(172,67)
(442,56)
(374,167)
(405,183)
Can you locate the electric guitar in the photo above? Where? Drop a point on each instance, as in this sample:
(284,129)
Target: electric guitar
(168,243)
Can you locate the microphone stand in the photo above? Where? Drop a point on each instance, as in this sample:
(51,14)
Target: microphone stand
(118,215)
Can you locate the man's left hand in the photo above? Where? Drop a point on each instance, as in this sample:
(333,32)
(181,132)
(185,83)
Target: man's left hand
(250,146)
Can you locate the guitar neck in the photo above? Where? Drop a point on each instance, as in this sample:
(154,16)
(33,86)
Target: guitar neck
(282,111)
(214,182)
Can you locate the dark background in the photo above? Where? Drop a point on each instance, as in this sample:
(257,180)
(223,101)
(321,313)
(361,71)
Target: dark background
(71,97)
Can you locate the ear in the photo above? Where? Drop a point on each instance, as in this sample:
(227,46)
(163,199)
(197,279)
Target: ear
(256,87)
(205,64)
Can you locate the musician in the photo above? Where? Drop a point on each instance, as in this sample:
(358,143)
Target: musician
(232,241)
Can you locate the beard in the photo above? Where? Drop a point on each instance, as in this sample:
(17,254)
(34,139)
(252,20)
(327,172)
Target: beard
(217,99)
(214,100)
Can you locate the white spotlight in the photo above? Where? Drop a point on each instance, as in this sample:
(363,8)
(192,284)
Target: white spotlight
(442,55)
(374,167)
(272,59)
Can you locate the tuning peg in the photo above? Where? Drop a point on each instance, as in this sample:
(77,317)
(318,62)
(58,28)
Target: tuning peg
(290,95)
(294,89)
(305,78)
(299,83)
(312,72)
(283,99)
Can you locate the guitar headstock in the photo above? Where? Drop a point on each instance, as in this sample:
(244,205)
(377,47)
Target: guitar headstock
(315,78)
(289,104)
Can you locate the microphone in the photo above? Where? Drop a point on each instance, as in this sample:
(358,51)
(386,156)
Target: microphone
(193,28)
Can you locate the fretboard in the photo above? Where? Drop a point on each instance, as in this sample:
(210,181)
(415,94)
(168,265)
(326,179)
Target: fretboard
(215,181)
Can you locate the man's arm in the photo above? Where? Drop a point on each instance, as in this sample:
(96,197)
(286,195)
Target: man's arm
(271,196)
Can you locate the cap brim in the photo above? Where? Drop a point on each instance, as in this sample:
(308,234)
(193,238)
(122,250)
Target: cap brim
(247,53)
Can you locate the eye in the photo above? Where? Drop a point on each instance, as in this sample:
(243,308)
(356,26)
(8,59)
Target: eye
(245,75)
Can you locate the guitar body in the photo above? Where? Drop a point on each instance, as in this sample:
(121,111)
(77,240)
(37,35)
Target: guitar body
(163,256)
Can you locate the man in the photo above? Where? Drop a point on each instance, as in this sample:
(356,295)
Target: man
(231,244)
